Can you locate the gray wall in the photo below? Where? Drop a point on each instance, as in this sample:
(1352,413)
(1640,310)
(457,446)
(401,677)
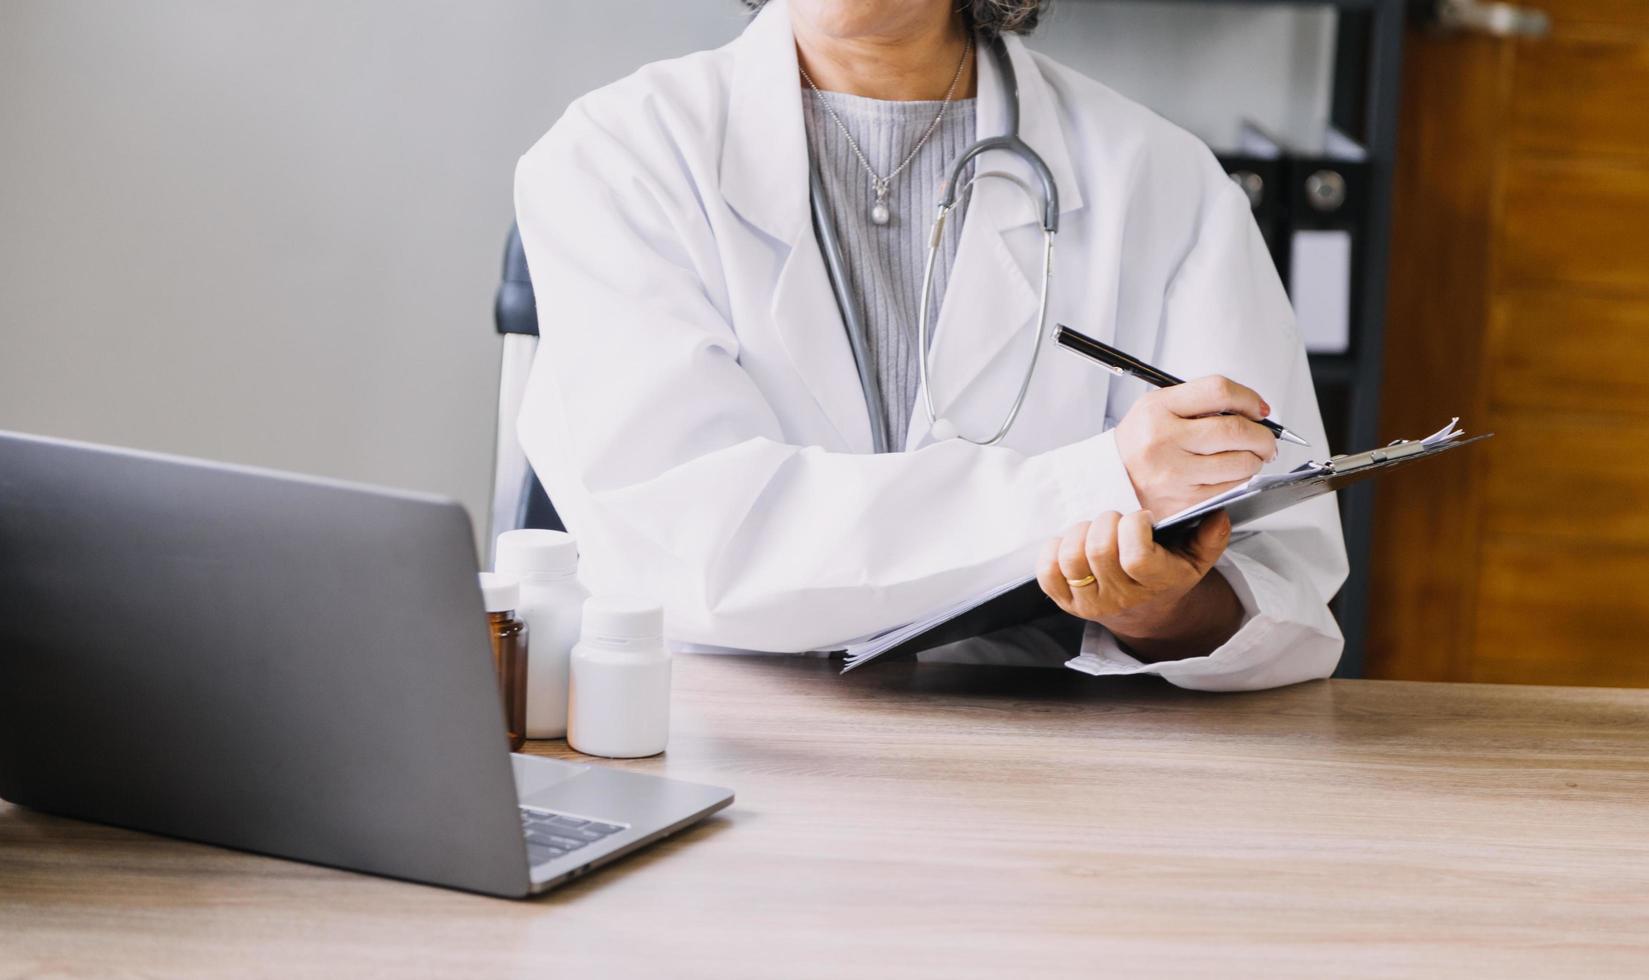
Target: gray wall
(268,232)
(1206,66)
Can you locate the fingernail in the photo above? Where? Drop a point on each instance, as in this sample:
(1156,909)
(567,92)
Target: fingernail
(1265,409)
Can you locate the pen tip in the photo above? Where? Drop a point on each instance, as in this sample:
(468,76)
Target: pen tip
(1288,436)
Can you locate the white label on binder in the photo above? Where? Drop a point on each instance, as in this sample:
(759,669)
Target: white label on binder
(1319,284)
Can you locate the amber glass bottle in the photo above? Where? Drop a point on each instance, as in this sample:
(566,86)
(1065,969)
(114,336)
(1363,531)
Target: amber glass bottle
(509,652)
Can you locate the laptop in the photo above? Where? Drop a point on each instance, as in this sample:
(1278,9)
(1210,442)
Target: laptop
(287,665)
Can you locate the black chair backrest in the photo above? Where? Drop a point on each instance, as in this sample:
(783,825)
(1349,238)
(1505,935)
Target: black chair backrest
(515,310)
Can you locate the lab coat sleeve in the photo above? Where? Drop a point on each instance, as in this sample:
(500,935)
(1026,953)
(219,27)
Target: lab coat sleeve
(1226,313)
(671,467)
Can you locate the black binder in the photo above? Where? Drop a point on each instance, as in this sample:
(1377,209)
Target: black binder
(1262,180)
(1328,192)
(1294,192)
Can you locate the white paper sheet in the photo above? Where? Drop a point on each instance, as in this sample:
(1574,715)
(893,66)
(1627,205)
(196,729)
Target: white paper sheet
(1319,286)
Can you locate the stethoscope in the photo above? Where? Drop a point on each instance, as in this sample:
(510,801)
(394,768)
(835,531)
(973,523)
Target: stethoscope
(954,190)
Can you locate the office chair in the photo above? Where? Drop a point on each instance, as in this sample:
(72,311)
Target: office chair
(518,499)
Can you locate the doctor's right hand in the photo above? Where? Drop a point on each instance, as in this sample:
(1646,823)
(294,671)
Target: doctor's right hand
(1184,444)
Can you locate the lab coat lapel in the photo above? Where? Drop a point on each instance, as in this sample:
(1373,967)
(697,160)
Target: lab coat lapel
(764,177)
(809,321)
(991,300)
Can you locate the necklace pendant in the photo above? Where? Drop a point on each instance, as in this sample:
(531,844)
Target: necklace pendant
(879,213)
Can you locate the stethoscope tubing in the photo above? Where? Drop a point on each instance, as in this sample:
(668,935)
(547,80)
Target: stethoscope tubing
(954,191)
(857,335)
(924,319)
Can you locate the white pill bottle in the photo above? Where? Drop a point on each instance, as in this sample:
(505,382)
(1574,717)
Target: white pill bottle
(551,603)
(620,699)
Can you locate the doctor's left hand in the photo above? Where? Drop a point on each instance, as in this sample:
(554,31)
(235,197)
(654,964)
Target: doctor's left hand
(1157,599)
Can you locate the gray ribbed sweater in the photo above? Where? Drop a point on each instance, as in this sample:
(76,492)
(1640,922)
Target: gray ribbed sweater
(884,262)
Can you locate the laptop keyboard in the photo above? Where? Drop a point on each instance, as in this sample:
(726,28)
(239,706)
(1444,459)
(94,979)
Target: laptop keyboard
(551,835)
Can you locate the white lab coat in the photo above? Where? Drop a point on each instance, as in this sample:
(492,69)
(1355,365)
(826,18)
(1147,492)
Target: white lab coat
(695,414)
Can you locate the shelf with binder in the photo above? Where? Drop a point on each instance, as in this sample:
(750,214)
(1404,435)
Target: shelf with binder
(1311,209)
(1324,211)
(1327,211)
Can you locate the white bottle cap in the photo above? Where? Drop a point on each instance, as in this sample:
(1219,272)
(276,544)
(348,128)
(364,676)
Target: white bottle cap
(535,553)
(608,617)
(501,593)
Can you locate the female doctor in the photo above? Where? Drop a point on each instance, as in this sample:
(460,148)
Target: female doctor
(697,409)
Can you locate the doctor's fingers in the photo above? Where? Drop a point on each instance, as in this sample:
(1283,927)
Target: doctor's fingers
(1212,395)
(1209,542)
(1207,490)
(1227,467)
(1052,580)
(1111,587)
(1073,557)
(1147,562)
(1100,551)
(1223,434)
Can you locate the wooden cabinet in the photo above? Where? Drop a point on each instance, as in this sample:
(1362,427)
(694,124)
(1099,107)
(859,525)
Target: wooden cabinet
(1519,299)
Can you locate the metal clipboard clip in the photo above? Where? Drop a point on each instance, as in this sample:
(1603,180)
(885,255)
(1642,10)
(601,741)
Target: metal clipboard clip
(1395,450)
(1374,457)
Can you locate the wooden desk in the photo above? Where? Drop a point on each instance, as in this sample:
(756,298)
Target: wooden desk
(944,821)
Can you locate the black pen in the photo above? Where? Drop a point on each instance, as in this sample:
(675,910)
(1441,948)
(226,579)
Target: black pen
(1120,362)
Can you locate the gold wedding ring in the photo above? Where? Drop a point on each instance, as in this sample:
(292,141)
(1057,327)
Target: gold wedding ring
(1081,583)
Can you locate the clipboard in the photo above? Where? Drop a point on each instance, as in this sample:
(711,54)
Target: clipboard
(1269,493)
(1022,601)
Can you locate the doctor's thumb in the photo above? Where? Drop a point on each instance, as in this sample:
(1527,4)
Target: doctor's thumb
(1208,543)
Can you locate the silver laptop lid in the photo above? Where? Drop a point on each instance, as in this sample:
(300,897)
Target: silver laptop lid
(292,666)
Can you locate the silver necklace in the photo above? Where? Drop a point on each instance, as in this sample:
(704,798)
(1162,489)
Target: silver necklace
(879,212)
